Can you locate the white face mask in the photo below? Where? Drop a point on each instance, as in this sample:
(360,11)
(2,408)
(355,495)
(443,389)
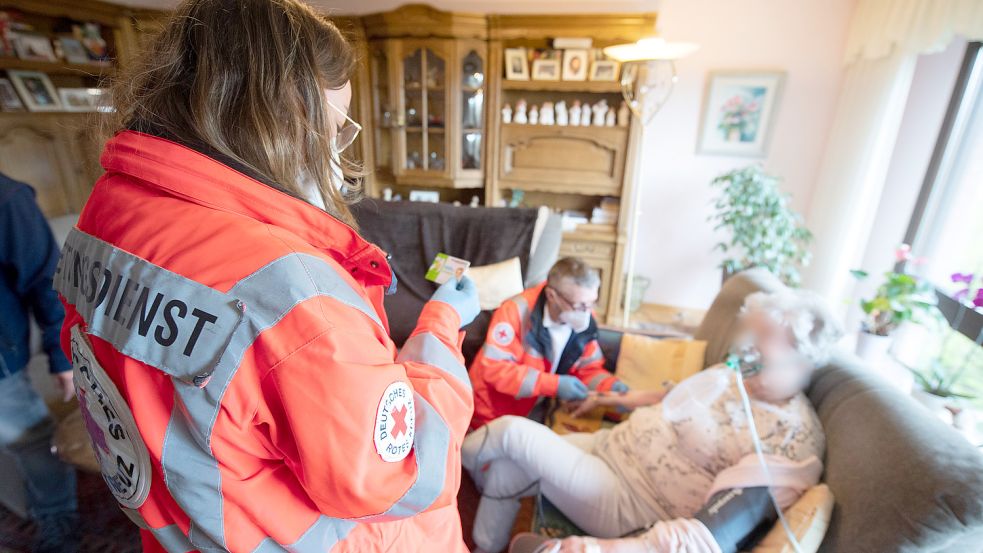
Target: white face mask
(578,320)
(337,177)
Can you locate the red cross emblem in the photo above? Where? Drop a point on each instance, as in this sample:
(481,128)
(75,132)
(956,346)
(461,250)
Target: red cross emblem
(399,421)
(503,334)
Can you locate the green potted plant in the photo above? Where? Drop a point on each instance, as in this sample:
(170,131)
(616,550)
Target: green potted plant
(899,298)
(764,231)
(936,386)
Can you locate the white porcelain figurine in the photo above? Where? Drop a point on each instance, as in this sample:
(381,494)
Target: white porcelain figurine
(585,113)
(610,119)
(575,113)
(546,114)
(507,113)
(623,114)
(600,109)
(561,114)
(520,113)
(534,115)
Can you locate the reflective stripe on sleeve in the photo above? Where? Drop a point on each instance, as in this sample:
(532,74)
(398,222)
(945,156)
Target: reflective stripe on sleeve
(428,349)
(596,381)
(495,353)
(528,385)
(597,355)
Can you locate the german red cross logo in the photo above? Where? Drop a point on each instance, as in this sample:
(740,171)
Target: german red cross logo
(503,334)
(395,423)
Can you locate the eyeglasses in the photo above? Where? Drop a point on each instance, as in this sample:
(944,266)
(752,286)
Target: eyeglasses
(583,306)
(348,132)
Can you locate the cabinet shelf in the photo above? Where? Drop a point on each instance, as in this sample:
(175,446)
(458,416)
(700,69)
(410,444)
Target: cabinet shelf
(597,87)
(57,68)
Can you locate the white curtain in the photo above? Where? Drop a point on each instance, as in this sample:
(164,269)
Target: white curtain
(884,41)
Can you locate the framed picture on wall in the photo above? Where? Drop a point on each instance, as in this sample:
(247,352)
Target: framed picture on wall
(36,90)
(604,70)
(516,64)
(738,112)
(575,65)
(546,70)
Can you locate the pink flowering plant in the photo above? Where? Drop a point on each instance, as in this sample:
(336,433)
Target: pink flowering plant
(900,298)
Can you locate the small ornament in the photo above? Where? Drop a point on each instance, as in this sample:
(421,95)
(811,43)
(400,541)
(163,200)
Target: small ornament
(561,114)
(534,116)
(585,113)
(507,113)
(546,114)
(610,119)
(600,109)
(475,202)
(520,113)
(575,114)
(623,114)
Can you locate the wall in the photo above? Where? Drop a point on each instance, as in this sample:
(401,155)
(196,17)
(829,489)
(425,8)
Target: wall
(803,38)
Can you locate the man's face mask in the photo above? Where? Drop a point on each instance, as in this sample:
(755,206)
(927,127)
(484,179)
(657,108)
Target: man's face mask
(578,320)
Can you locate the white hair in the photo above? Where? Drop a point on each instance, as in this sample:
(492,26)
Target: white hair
(814,328)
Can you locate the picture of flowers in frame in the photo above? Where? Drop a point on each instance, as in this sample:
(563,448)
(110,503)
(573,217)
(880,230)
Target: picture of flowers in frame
(738,112)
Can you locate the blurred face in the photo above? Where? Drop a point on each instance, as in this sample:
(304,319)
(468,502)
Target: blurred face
(784,372)
(343,128)
(569,296)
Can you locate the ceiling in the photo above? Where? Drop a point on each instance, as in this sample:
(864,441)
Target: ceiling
(475,6)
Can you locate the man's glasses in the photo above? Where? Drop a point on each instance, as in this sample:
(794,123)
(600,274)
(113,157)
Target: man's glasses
(348,132)
(575,306)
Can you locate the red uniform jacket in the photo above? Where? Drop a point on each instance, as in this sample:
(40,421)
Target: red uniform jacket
(233,362)
(513,368)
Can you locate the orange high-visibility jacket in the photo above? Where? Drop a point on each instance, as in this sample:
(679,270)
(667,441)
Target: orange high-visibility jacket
(233,362)
(514,367)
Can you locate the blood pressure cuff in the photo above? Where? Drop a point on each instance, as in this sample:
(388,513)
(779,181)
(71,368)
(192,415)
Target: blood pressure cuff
(738,517)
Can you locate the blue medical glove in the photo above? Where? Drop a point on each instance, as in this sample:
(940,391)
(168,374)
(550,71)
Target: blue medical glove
(619,387)
(462,296)
(571,388)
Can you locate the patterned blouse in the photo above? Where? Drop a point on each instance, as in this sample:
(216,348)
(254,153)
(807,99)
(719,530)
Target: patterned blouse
(667,455)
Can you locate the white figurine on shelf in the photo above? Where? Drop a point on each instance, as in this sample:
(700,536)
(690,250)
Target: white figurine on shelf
(623,114)
(585,113)
(534,115)
(475,202)
(561,114)
(507,113)
(575,114)
(546,114)
(600,109)
(520,113)
(610,118)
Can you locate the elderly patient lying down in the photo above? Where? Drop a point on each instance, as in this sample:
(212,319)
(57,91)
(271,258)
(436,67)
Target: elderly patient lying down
(683,467)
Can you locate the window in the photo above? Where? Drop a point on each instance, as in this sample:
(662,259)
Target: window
(947,223)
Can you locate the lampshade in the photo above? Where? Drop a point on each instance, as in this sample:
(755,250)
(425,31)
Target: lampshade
(650,49)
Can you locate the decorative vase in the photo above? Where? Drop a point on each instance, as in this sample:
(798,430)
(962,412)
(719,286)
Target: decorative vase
(873,348)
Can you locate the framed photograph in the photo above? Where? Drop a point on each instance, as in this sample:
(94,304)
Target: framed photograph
(546,70)
(79,99)
(604,70)
(73,50)
(575,65)
(738,112)
(9,100)
(429,196)
(516,64)
(36,90)
(34,47)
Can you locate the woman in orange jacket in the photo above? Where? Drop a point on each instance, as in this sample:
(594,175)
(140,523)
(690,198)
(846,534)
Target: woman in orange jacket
(224,317)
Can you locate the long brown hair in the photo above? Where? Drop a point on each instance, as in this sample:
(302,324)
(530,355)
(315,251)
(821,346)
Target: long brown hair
(245,78)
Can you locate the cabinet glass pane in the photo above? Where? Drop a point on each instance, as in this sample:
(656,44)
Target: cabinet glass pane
(382,106)
(435,71)
(472,109)
(414,149)
(436,158)
(414,108)
(412,70)
(471,151)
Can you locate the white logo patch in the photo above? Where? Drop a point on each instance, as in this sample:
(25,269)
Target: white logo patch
(503,334)
(122,455)
(395,423)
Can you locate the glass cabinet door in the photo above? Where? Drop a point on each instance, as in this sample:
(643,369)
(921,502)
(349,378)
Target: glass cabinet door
(424,79)
(383,107)
(472,109)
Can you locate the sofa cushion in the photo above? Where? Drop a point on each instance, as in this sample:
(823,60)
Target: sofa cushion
(903,480)
(808,519)
(646,363)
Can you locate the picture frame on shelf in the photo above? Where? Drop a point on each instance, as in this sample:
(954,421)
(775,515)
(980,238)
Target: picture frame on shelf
(516,64)
(738,113)
(9,100)
(34,47)
(80,99)
(546,70)
(605,71)
(427,196)
(73,50)
(575,65)
(35,90)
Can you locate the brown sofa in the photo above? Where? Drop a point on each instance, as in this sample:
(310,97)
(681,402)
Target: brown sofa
(903,480)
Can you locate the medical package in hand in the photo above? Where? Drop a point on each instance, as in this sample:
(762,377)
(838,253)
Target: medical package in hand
(445,266)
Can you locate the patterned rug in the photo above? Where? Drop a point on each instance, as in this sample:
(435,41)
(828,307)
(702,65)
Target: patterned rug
(105,529)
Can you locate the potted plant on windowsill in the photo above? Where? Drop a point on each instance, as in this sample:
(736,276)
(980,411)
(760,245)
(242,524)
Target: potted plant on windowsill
(937,385)
(764,230)
(899,299)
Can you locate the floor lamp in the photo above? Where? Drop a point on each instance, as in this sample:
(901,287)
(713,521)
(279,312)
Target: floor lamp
(647,79)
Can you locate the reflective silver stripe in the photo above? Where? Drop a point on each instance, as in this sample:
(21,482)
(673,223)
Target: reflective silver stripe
(496,353)
(172,539)
(161,318)
(596,381)
(521,304)
(532,351)
(190,471)
(584,361)
(323,535)
(528,385)
(431,445)
(427,348)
